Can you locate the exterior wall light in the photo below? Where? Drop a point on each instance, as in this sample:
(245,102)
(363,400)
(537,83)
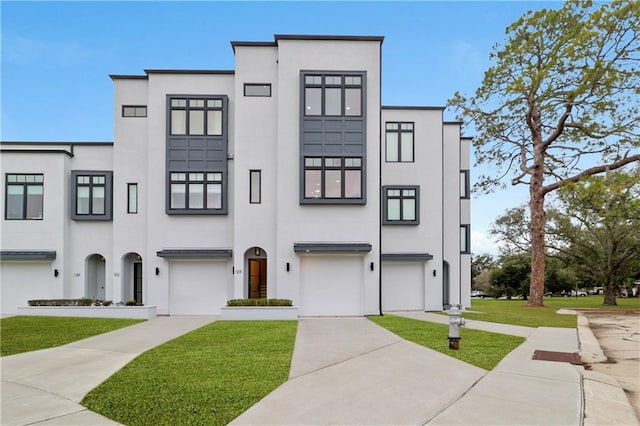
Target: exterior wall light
(157,271)
(371,266)
(434,272)
(257,251)
(56,272)
(288,267)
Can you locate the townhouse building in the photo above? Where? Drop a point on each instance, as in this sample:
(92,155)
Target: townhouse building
(283,178)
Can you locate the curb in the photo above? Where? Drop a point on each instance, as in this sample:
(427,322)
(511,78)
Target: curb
(605,402)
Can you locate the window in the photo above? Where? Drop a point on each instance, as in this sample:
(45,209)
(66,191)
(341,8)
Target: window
(134,110)
(333,95)
(196,116)
(401,205)
(91,195)
(399,146)
(465,239)
(25,197)
(195,191)
(254,89)
(332,178)
(132,198)
(255,190)
(465,188)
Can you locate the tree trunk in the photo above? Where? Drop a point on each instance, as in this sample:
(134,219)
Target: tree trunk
(536,289)
(610,290)
(536,205)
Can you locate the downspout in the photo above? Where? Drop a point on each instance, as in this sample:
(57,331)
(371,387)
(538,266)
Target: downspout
(380,185)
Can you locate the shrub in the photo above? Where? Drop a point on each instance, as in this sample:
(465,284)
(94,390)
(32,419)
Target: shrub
(61,302)
(130,302)
(259,302)
(107,303)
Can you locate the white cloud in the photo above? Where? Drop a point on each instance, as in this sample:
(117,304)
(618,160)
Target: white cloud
(18,49)
(482,242)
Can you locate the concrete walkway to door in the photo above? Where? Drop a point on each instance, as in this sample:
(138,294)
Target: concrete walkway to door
(46,386)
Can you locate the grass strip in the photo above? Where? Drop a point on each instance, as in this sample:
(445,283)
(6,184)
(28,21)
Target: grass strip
(208,376)
(517,312)
(29,333)
(479,348)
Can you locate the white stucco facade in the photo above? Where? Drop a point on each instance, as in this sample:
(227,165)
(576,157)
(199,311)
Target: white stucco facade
(379,233)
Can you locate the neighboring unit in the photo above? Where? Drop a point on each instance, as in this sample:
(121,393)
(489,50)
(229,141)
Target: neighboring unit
(285,178)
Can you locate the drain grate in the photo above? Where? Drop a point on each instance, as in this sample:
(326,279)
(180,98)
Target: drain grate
(570,357)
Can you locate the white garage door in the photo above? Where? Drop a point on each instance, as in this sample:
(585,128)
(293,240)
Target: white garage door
(198,287)
(23,281)
(331,285)
(402,286)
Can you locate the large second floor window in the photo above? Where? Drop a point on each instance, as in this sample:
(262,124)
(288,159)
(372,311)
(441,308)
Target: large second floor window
(333,95)
(195,116)
(333,178)
(399,142)
(195,191)
(401,205)
(91,195)
(25,197)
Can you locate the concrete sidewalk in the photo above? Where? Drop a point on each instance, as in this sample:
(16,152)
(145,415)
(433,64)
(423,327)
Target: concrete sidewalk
(353,372)
(46,386)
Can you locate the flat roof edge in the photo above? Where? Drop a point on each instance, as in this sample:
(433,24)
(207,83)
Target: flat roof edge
(312,247)
(27,254)
(418,108)
(327,37)
(128,77)
(187,71)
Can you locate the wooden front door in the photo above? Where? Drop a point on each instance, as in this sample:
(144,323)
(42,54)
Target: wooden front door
(257,278)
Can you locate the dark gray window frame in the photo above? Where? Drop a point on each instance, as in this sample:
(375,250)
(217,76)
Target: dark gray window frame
(327,149)
(132,209)
(108,195)
(139,111)
(467,248)
(262,85)
(465,177)
(25,185)
(385,221)
(220,154)
(399,131)
(343,168)
(204,183)
(251,194)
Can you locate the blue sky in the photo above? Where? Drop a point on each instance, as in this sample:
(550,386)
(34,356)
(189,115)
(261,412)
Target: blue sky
(56,57)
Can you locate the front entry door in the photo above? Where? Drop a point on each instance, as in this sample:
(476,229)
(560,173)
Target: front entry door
(137,282)
(257,278)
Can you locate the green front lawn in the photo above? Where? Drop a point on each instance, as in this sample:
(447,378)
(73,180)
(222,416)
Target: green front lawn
(208,376)
(479,348)
(29,333)
(518,313)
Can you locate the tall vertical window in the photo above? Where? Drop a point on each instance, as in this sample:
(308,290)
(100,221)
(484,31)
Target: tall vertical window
(196,116)
(401,205)
(333,95)
(255,189)
(195,191)
(25,197)
(465,188)
(399,142)
(132,198)
(333,178)
(465,239)
(91,195)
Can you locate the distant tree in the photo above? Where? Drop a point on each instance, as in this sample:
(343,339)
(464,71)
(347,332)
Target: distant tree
(512,277)
(480,263)
(482,281)
(558,277)
(513,230)
(599,229)
(563,92)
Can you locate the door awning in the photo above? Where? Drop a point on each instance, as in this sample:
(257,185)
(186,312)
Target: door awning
(195,253)
(406,257)
(27,255)
(311,247)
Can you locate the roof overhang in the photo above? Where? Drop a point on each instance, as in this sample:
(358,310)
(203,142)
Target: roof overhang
(331,247)
(27,255)
(406,257)
(195,253)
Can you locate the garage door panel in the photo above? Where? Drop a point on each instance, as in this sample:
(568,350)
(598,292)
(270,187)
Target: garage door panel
(402,286)
(198,287)
(331,285)
(24,281)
